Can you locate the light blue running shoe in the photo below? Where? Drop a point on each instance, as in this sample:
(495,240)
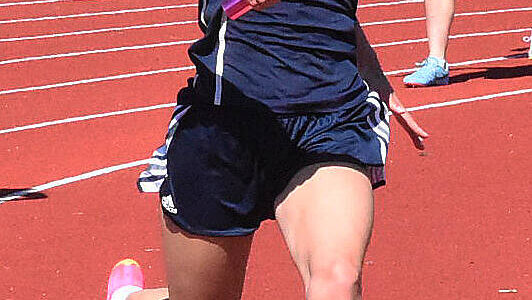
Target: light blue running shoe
(430,73)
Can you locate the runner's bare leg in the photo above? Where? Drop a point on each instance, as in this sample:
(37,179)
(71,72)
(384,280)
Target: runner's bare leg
(326,217)
(199,267)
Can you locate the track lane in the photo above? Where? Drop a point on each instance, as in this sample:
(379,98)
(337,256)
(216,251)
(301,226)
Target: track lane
(9,3)
(92,66)
(64,151)
(77,6)
(107,13)
(91,98)
(417,10)
(458,50)
(471,81)
(97,41)
(65,245)
(483,23)
(89,23)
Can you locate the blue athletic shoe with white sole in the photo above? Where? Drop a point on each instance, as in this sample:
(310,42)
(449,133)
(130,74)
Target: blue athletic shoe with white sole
(433,71)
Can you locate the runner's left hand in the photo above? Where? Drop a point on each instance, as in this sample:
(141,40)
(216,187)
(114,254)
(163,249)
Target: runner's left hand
(416,133)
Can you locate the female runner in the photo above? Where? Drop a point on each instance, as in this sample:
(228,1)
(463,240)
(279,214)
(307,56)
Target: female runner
(279,123)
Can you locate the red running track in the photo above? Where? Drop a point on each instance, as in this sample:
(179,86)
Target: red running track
(457,227)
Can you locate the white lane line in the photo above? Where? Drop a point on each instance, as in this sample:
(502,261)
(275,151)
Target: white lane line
(72,179)
(392,21)
(389,3)
(29,2)
(87,117)
(493,11)
(166,105)
(93,80)
(108,170)
(63,34)
(96,51)
(462,101)
(477,13)
(457,36)
(100,13)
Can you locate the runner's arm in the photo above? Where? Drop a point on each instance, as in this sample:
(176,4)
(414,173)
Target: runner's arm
(370,69)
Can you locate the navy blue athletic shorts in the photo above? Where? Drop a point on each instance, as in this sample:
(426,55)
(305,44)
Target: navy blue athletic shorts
(226,165)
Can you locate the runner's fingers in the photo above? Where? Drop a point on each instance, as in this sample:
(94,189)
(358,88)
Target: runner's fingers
(416,133)
(395,104)
(413,126)
(266,4)
(397,108)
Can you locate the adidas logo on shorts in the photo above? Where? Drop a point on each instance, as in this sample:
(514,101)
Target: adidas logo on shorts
(168,204)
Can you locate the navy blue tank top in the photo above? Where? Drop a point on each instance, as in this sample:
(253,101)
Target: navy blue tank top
(294,57)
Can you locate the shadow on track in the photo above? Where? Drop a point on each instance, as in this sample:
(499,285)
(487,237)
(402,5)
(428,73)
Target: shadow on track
(520,49)
(495,72)
(23,194)
(492,73)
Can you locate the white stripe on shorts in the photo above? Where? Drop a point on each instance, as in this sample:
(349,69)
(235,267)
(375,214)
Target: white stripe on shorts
(220,61)
(379,125)
(151,179)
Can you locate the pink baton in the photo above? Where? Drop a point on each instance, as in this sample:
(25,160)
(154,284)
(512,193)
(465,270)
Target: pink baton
(235,8)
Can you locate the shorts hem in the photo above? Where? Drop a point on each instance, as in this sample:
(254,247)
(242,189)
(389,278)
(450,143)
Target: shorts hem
(378,184)
(374,172)
(211,233)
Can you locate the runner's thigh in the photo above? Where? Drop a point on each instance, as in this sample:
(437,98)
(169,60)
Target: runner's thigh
(326,217)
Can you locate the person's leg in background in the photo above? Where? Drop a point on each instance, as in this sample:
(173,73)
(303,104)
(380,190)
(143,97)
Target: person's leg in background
(439,15)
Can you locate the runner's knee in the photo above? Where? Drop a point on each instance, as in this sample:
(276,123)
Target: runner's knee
(335,274)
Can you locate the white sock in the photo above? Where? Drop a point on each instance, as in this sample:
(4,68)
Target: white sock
(123,292)
(441,62)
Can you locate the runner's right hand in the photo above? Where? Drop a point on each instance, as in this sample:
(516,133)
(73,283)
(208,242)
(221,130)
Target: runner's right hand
(416,133)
